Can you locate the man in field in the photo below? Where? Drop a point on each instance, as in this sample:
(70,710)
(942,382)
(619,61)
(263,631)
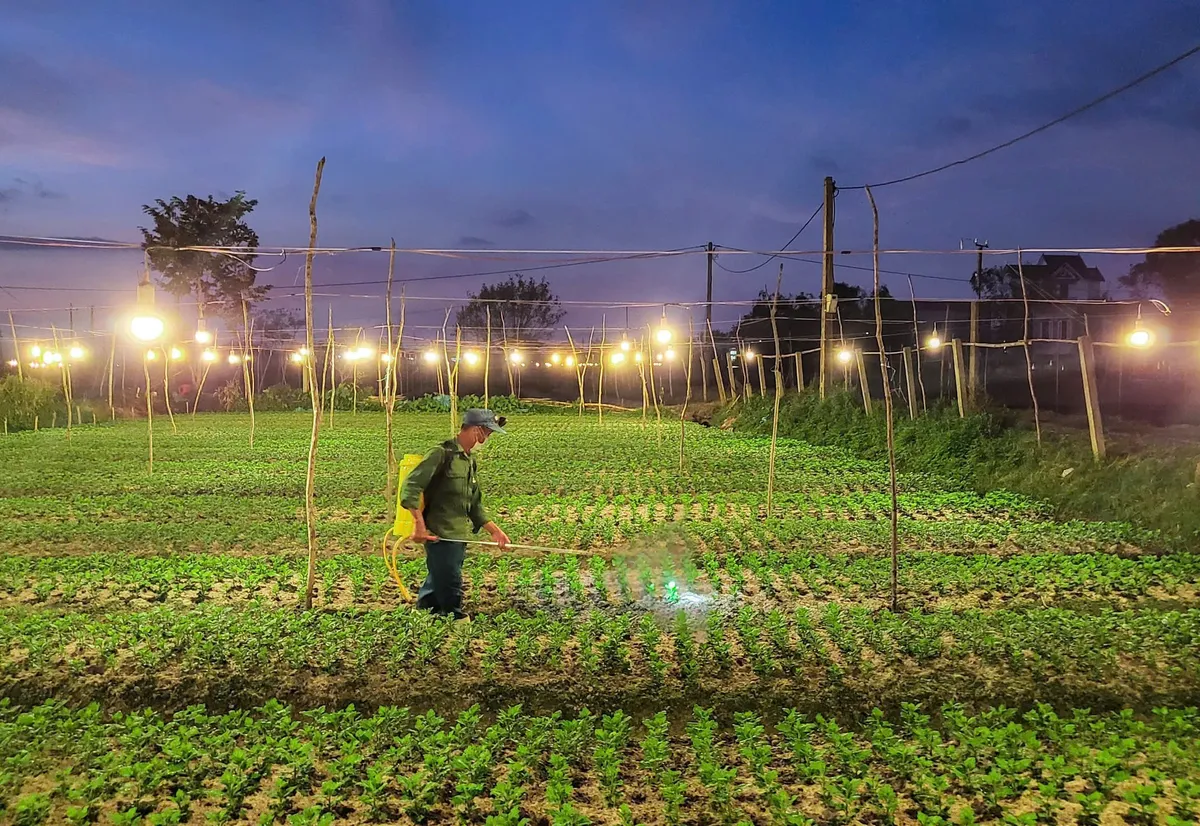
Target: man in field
(453,506)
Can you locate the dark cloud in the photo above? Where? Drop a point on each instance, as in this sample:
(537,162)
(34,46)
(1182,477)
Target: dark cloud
(953,126)
(21,189)
(514,218)
(474,242)
(824,164)
(31,86)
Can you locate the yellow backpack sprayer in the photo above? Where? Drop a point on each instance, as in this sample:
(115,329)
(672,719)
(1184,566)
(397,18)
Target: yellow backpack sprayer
(402,528)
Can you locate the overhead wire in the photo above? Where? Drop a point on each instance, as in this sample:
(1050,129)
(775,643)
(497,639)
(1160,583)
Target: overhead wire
(1071,114)
(803,227)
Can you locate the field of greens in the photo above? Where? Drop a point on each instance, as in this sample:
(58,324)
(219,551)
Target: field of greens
(689,658)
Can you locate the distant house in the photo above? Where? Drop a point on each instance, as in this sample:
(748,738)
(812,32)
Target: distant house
(1063,277)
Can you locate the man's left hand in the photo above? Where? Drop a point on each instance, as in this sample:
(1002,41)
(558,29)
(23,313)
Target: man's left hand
(498,536)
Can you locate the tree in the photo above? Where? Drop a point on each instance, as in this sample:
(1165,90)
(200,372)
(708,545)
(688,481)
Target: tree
(1175,274)
(997,282)
(527,308)
(222,280)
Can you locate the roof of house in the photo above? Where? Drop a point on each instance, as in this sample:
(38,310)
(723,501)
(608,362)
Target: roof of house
(1049,266)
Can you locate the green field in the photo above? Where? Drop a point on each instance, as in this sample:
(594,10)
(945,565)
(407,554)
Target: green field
(693,659)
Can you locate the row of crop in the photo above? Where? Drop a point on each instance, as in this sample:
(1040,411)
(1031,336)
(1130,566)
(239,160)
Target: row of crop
(275,766)
(157,521)
(1018,654)
(498,580)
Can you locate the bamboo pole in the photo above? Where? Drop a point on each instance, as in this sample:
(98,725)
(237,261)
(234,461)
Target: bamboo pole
(1091,397)
(687,395)
(653,378)
(66,377)
(457,365)
(910,383)
(354,373)
(512,384)
(450,389)
(799,372)
(16,347)
(167,390)
(389,386)
(887,405)
(917,345)
(641,368)
(762,377)
(860,366)
(578,367)
(112,362)
(1037,418)
(717,366)
(778,397)
(331,366)
(310,505)
(247,367)
(603,355)
(487,357)
(204,377)
(960,389)
(149,415)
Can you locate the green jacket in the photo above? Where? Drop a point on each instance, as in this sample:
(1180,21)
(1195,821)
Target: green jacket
(453,500)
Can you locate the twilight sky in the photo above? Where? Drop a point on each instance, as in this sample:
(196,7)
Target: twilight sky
(623,124)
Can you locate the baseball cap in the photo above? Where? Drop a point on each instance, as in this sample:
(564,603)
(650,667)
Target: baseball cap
(476,417)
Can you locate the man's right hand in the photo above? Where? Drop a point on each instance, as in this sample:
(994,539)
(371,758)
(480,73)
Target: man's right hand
(420,534)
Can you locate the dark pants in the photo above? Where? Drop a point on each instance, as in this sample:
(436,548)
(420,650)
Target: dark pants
(442,591)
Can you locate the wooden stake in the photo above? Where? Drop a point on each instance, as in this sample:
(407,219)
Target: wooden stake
(887,407)
(65,367)
(910,382)
(762,377)
(860,367)
(203,378)
(310,505)
(778,397)
(973,358)
(578,368)
(654,386)
(1091,397)
(1037,418)
(717,367)
(703,370)
(733,391)
(799,372)
(17,349)
(917,345)
(960,388)
(512,384)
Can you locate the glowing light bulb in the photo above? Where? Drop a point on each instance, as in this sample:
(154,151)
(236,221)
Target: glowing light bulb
(151,355)
(471,357)
(296,358)
(570,361)
(430,356)
(209,356)
(77,352)
(176,354)
(1141,338)
(515,357)
(365,352)
(749,355)
(305,352)
(844,356)
(234,358)
(12,362)
(625,345)
(663,335)
(203,337)
(556,358)
(933,342)
(637,357)
(670,354)
(146,327)
(35,351)
(618,358)
(386,358)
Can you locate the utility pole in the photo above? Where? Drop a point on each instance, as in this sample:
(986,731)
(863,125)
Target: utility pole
(826,283)
(708,292)
(71,315)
